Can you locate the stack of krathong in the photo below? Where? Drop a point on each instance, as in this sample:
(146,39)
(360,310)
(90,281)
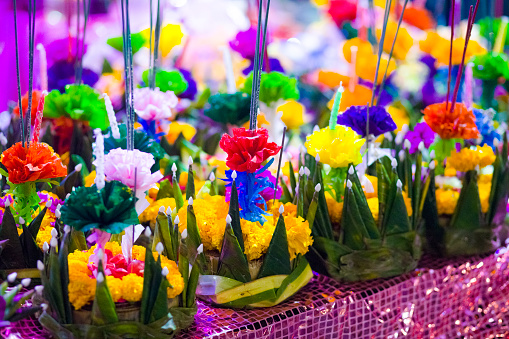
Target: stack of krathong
(252,253)
(116,287)
(366,226)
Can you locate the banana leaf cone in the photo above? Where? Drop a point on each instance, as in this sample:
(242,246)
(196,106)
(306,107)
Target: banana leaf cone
(235,284)
(363,248)
(155,316)
(469,231)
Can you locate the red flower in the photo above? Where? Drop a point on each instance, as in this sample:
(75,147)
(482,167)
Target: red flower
(247,149)
(37,161)
(342,10)
(460,123)
(36,96)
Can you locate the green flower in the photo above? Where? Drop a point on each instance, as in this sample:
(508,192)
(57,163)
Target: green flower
(491,66)
(168,81)
(110,209)
(229,108)
(79,102)
(274,86)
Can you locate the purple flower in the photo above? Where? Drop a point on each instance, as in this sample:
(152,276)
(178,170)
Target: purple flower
(62,74)
(190,92)
(380,121)
(422,132)
(45,197)
(245,43)
(274,66)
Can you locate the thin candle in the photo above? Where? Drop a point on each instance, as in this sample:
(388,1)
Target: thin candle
(228,67)
(335,107)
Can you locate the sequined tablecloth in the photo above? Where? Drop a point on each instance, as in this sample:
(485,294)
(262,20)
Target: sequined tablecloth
(460,298)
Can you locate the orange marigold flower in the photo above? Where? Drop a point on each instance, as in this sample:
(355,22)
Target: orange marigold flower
(460,123)
(403,42)
(36,161)
(419,17)
(363,48)
(332,79)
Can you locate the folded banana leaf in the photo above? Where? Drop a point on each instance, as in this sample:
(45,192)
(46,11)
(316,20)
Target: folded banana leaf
(263,292)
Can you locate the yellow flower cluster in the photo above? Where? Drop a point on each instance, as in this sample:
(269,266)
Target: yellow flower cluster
(150,213)
(468,159)
(211,212)
(337,148)
(129,288)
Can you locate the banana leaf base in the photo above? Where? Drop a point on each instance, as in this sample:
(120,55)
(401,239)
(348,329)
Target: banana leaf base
(474,242)
(397,255)
(177,319)
(264,292)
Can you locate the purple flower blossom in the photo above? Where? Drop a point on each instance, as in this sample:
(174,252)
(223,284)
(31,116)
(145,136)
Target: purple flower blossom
(380,121)
(245,43)
(62,74)
(422,132)
(45,197)
(274,66)
(190,92)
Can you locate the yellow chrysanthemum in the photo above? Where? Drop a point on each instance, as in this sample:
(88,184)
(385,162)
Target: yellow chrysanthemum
(198,184)
(293,114)
(171,36)
(90,179)
(298,234)
(174,277)
(78,265)
(260,122)
(81,288)
(484,179)
(374,207)
(403,43)
(337,148)
(187,130)
(44,234)
(289,209)
(115,285)
(365,67)
(114,247)
(220,166)
(150,213)
(468,159)
(256,238)
(210,214)
(138,252)
(132,287)
(446,200)
(484,196)
(79,255)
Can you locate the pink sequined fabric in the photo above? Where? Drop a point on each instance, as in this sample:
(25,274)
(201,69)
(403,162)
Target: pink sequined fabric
(460,298)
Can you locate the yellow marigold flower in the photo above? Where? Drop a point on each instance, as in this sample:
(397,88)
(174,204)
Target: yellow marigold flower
(403,43)
(198,184)
(187,130)
(365,67)
(79,256)
(290,209)
(152,192)
(298,234)
(114,247)
(293,114)
(115,285)
(484,179)
(138,252)
(261,121)
(44,234)
(171,36)
(335,208)
(78,265)
(374,182)
(400,116)
(150,213)
(337,148)
(256,238)
(484,196)
(174,277)
(332,79)
(449,170)
(90,179)
(446,200)
(132,287)
(363,48)
(210,214)
(81,288)
(374,207)
(408,203)
(220,166)
(468,159)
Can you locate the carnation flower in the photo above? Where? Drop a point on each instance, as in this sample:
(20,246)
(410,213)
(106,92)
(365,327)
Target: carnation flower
(245,43)
(36,161)
(132,168)
(484,123)
(247,149)
(152,104)
(355,117)
(36,96)
(342,10)
(458,123)
(422,132)
(337,148)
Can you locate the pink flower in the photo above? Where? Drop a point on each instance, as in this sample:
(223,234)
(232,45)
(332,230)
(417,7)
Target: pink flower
(153,104)
(121,165)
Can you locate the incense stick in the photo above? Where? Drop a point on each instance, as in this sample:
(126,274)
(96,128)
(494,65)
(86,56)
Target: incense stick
(450,57)
(18,75)
(390,54)
(279,165)
(381,47)
(128,72)
(157,35)
(471,19)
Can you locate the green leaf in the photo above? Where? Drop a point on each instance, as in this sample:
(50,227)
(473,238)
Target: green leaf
(277,259)
(103,308)
(65,187)
(162,234)
(191,286)
(235,215)
(362,204)
(190,191)
(354,231)
(64,277)
(325,256)
(31,252)
(397,215)
(12,252)
(467,215)
(76,159)
(177,194)
(152,279)
(232,262)
(36,223)
(165,190)
(54,286)
(434,232)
